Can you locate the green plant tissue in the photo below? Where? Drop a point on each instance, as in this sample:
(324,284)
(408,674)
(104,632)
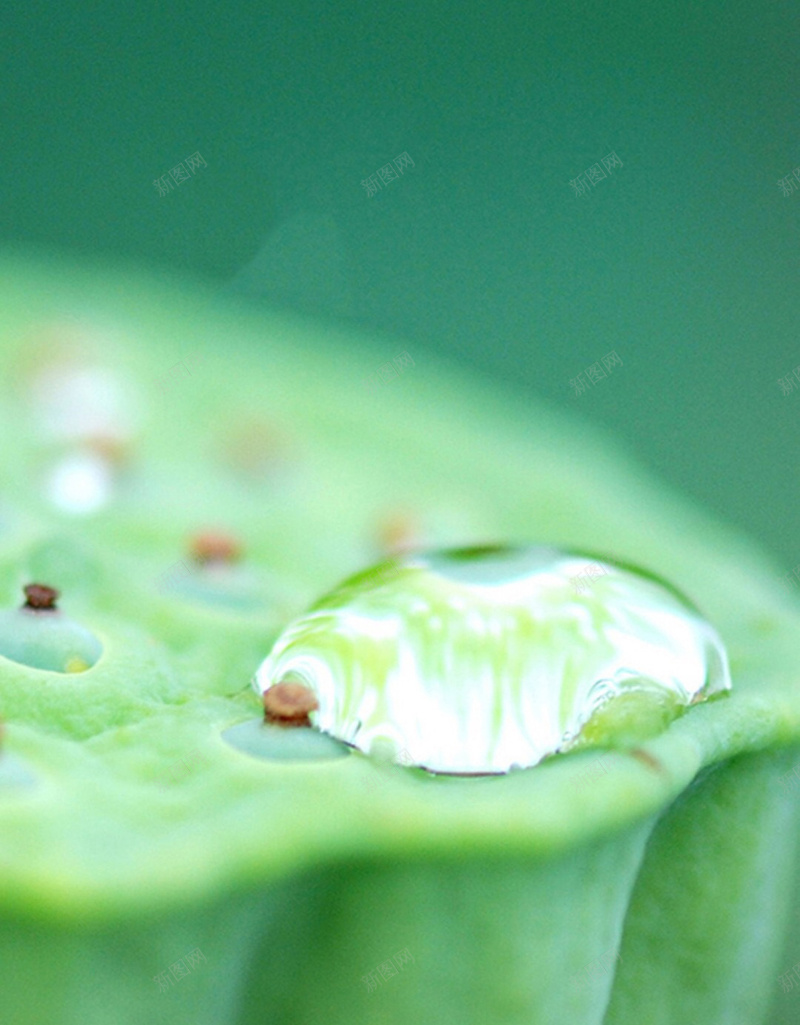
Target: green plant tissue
(152,871)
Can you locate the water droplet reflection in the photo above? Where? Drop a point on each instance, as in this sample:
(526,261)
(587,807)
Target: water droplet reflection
(475,659)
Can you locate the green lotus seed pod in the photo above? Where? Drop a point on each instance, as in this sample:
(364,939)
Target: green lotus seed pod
(192,855)
(476,660)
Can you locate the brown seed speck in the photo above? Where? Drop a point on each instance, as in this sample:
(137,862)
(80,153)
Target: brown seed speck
(40,597)
(215,546)
(288,704)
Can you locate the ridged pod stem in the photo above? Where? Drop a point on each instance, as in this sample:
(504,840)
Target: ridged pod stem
(652,923)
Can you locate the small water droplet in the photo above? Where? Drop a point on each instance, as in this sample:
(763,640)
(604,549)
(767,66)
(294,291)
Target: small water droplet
(477,659)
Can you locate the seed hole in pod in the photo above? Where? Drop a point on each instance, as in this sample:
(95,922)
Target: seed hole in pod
(41,636)
(214,572)
(262,739)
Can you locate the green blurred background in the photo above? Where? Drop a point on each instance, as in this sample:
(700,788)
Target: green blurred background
(684,260)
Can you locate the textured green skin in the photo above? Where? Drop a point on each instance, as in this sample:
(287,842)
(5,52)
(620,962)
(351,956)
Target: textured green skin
(296,879)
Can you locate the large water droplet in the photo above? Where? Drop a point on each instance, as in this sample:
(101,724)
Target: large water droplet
(479,659)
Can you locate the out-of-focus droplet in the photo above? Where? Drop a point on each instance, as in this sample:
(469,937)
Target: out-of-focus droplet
(39,635)
(75,391)
(83,411)
(80,402)
(479,659)
(80,483)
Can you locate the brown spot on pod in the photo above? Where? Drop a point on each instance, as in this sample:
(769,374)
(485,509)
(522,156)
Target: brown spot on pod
(289,704)
(40,597)
(215,547)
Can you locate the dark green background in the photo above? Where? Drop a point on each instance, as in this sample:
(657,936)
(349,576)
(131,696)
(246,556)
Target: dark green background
(684,261)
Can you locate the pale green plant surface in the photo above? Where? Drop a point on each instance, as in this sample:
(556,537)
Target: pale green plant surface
(296,879)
